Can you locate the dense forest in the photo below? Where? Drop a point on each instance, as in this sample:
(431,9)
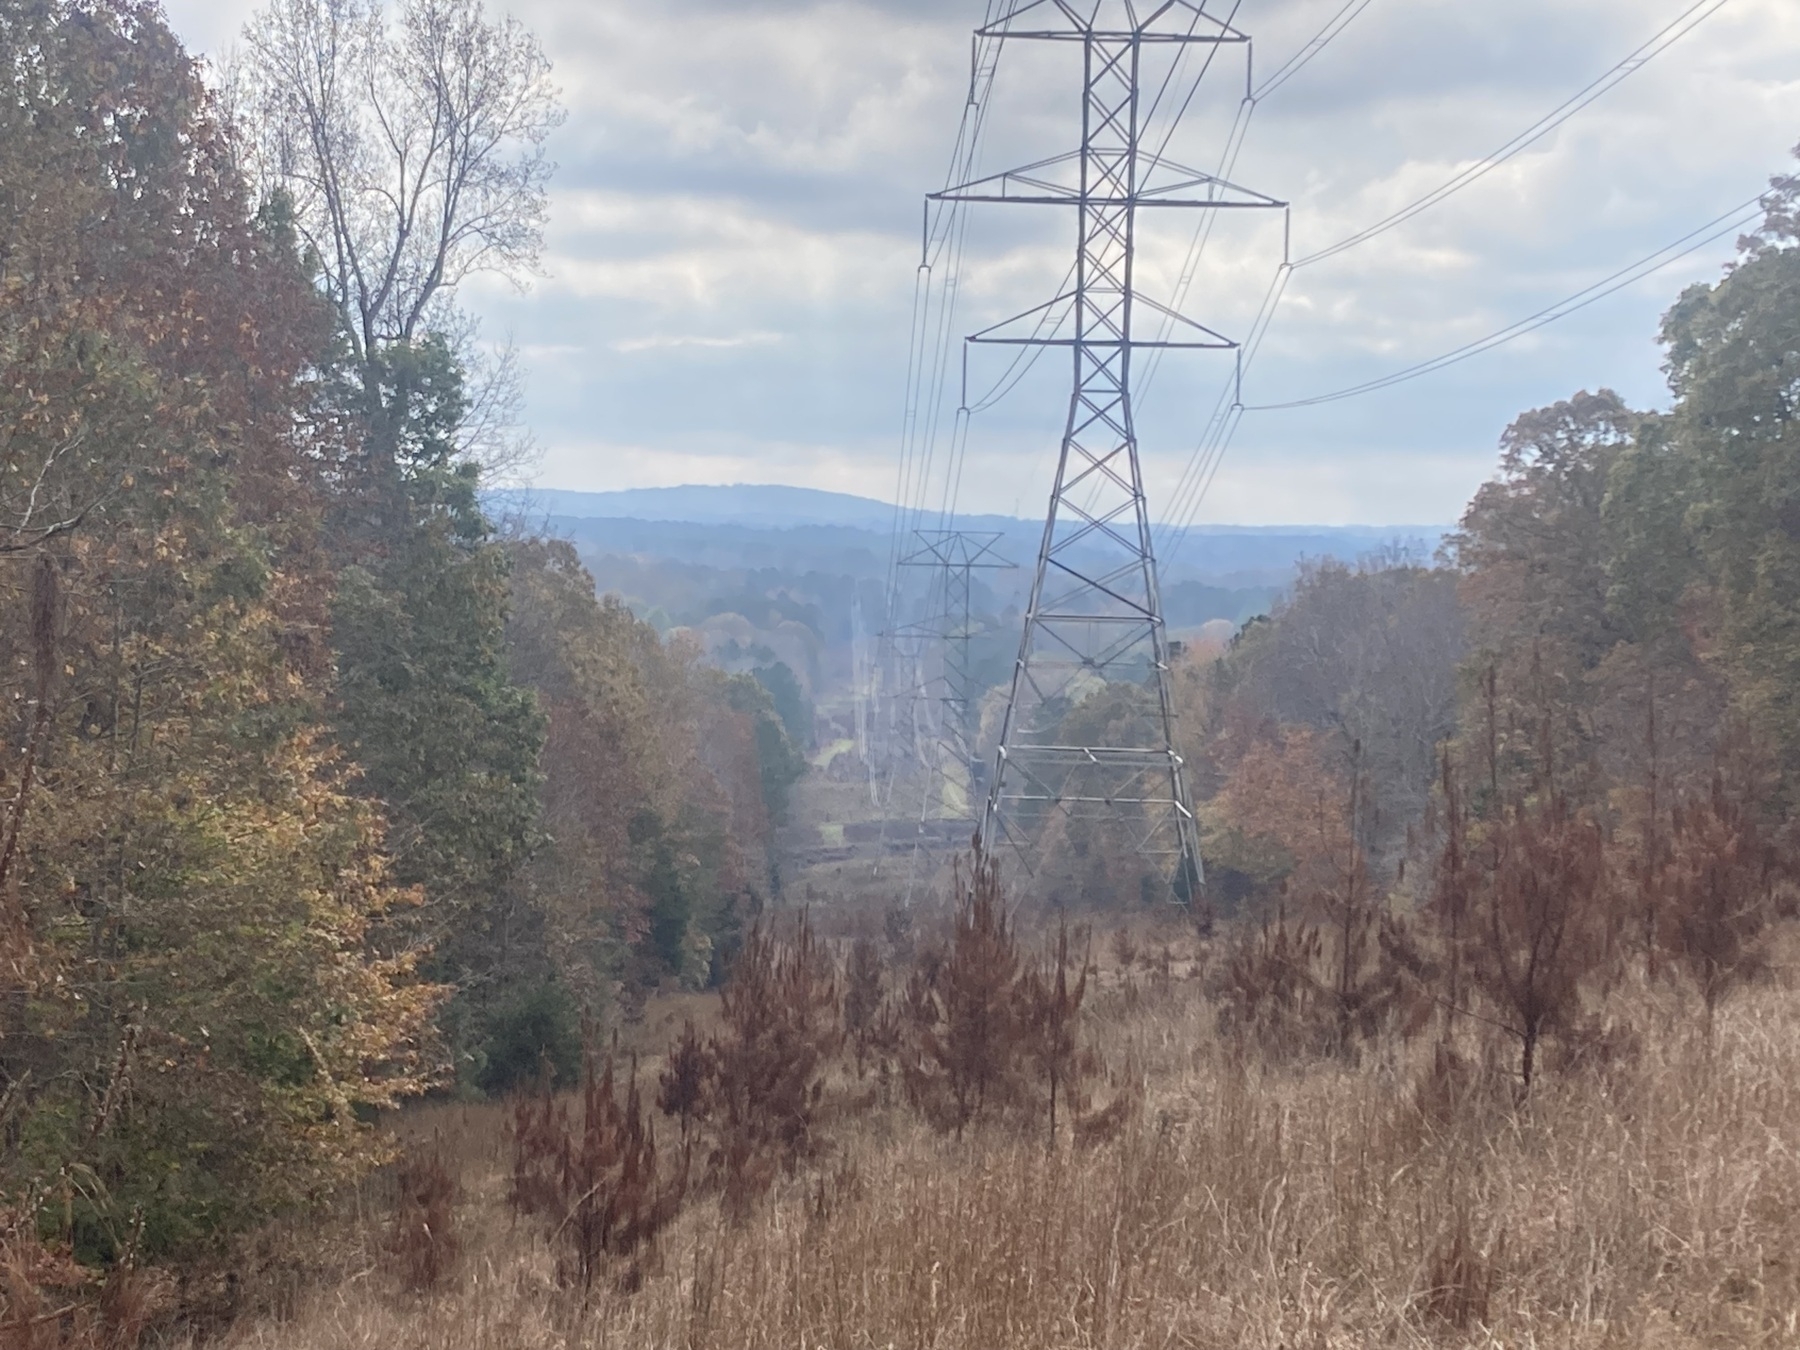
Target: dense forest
(1614,629)
(323,791)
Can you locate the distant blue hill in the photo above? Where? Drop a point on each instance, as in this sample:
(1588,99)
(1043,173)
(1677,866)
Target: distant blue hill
(770,505)
(764,505)
(794,529)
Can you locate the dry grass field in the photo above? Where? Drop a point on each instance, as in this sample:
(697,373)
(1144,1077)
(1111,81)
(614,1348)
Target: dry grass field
(1647,1194)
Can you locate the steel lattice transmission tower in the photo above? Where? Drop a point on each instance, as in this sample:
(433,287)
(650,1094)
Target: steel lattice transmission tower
(1095,615)
(954,557)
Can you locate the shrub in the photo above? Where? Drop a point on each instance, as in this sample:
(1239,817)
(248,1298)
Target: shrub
(422,1238)
(535,1025)
(779,1010)
(1540,929)
(963,1017)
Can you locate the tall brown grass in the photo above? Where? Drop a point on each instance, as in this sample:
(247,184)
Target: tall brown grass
(1647,1197)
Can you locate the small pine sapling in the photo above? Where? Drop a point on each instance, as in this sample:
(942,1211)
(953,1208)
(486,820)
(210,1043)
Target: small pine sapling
(594,1181)
(422,1238)
(897,929)
(1363,983)
(612,1205)
(964,1021)
(780,1026)
(1449,904)
(1719,886)
(1162,970)
(1125,949)
(537,1129)
(1650,863)
(1541,929)
(1050,1014)
(863,998)
(1268,988)
(683,1089)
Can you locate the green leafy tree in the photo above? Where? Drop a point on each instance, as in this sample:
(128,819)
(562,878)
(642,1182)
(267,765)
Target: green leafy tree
(449,744)
(405,151)
(779,762)
(1733,357)
(790,702)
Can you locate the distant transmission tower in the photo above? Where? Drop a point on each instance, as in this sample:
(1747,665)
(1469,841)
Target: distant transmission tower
(1095,619)
(955,556)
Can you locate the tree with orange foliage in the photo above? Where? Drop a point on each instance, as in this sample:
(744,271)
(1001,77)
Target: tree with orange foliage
(1304,820)
(1284,813)
(200,1012)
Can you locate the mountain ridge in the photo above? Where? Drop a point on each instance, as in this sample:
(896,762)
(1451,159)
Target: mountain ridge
(776,506)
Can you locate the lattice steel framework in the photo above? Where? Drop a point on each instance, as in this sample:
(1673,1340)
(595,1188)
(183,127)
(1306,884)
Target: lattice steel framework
(1095,615)
(955,556)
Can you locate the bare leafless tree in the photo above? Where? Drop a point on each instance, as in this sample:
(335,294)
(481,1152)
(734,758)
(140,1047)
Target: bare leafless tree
(409,147)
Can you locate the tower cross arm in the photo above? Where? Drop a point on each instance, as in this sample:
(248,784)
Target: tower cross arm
(1034,185)
(1172,21)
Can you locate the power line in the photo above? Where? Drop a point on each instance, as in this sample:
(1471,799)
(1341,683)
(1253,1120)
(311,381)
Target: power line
(945,233)
(1191,490)
(1665,38)
(1298,61)
(1027,357)
(1194,473)
(1202,467)
(1206,66)
(1094,612)
(1717,228)
(984,67)
(1234,144)
(1221,431)
(941,245)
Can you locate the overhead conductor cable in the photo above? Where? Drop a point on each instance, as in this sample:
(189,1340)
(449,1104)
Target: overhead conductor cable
(1203,465)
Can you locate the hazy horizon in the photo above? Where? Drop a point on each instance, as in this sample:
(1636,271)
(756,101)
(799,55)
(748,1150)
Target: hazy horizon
(667,491)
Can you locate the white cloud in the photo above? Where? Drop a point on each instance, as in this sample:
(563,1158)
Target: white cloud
(735,231)
(665,342)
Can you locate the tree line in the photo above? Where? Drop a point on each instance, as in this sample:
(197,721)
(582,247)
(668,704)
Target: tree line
(1483,787)
(320,788)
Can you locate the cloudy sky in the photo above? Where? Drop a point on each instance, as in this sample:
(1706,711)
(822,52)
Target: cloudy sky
(734,235)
